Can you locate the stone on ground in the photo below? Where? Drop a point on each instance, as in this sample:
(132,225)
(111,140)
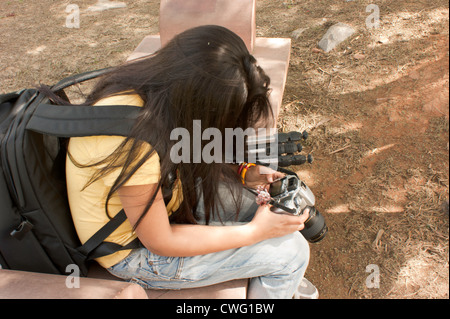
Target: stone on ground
(335,35)
(103,5)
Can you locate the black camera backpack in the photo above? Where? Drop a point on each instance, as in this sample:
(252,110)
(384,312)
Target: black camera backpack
(36,229)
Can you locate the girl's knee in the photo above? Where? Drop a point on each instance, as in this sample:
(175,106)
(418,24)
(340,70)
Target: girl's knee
(299,249)
(290,252)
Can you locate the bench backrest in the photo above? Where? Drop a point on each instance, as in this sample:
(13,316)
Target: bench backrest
(177,16)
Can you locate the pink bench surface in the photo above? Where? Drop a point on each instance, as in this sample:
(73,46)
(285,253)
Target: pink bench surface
(101,285)
(237,15)
(234,289)
(30,285)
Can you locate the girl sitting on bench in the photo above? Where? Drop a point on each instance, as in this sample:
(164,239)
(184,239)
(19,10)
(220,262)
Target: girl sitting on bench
(196,224)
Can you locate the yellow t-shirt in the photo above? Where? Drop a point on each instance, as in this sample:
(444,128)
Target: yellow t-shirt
(88,205)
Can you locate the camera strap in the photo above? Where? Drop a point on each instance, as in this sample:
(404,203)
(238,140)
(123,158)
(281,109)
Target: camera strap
(271,201)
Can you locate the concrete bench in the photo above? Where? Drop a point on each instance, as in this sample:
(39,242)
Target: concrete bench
(234,289)
(30,285)
(101,285)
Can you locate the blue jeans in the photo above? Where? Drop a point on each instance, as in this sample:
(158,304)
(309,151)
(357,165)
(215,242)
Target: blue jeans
(276,266)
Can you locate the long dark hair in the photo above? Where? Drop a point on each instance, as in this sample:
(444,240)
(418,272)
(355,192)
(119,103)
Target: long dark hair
(205,73)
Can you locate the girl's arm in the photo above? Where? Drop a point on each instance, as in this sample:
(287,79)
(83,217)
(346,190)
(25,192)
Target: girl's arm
(162,238)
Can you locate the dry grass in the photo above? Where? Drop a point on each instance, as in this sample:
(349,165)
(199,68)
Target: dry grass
(380,187)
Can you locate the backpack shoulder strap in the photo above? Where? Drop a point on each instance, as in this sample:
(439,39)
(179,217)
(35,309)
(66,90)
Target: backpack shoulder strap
(77,121)
(78,78)
(96,247)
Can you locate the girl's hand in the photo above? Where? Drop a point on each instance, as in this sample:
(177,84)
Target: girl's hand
(261,175)
(267,224)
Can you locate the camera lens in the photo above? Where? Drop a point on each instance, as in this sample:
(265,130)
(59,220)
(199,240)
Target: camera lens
(315,227)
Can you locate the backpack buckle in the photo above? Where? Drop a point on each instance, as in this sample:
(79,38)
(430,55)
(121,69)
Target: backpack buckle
(21,230)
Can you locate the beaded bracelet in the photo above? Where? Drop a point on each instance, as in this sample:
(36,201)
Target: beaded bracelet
(243,168)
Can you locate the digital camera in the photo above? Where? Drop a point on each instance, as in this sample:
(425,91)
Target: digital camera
(291,195)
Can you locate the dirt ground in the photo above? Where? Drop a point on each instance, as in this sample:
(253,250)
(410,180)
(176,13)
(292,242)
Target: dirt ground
(376,109)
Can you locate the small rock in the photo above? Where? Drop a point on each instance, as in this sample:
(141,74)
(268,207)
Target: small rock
(359,56)
(335,35)
(382,40)
(103,5)
(37,51)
